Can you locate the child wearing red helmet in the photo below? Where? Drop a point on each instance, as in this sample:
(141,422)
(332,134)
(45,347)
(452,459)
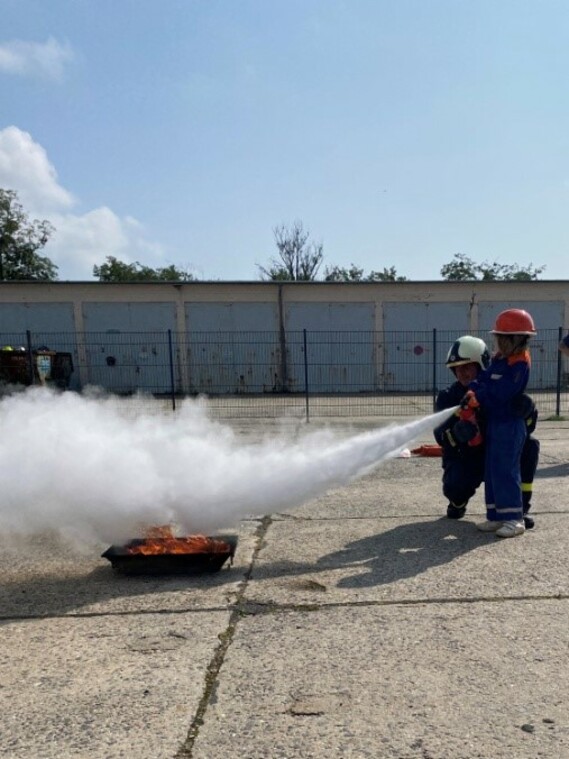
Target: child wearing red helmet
(496,389)
(463,461)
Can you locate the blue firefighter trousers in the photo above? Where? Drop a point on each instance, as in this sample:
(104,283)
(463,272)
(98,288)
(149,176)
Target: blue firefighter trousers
(503,494)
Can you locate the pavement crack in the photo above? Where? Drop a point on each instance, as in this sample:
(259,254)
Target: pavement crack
(252,607)
(225,640)
(110,614)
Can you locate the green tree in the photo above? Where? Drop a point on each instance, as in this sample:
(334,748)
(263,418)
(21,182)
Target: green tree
(20,241)
(463,269)
(355,274)
(114,270)
(387,275)
(298,259)
(341,274)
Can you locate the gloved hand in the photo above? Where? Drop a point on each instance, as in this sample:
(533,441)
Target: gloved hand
(464,431)
(523,406)
(469,400)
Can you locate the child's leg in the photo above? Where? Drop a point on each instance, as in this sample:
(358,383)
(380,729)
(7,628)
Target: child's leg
(489,497)
(461,477)
(528,466)
(507,442)
(493,522)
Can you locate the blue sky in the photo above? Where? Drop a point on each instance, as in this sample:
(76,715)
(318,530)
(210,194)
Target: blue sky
(184,131)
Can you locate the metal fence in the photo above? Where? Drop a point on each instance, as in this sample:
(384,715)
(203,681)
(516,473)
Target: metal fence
(269,374)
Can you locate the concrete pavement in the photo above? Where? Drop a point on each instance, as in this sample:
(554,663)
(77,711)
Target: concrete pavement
(363,624)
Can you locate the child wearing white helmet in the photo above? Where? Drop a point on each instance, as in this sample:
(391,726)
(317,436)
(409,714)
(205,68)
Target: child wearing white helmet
(463,464)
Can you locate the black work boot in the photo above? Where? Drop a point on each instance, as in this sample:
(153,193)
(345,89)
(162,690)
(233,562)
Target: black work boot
(528,521)
(456,512)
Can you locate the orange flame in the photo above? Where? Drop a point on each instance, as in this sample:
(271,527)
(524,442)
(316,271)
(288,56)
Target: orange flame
(161,540)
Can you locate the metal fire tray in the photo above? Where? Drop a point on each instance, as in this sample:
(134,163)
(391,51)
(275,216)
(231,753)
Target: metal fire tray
(169,563)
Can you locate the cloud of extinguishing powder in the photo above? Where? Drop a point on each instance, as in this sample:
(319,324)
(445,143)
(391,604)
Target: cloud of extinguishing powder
(75,463)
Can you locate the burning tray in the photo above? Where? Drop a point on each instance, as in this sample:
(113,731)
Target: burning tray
(168,557)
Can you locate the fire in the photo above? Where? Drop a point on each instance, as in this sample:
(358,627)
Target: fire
(161,540)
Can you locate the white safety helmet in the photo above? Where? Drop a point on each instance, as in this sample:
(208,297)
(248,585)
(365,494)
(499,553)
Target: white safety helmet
(468,350)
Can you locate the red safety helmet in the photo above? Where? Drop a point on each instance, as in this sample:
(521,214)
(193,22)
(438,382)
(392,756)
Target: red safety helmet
(514,321)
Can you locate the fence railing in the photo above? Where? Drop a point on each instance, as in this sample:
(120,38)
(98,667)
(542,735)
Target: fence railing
(247,374)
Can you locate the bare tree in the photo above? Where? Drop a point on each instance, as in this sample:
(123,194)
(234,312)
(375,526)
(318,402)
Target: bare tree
(298,259)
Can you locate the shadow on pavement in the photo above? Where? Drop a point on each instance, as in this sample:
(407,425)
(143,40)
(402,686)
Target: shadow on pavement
(49,595)
(405,551)
(559,470)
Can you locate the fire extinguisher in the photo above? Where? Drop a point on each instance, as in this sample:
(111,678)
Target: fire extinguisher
(467,413)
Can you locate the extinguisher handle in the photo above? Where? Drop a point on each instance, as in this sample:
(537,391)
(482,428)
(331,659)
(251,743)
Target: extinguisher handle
(469,400)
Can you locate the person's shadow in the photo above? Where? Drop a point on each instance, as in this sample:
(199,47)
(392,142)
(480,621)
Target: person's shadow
(404,551)
(558,470)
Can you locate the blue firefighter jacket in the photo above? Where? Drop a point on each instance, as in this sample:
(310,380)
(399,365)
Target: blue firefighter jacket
(504,379)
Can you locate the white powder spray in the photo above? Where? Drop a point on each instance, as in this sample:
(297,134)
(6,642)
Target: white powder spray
(80,464)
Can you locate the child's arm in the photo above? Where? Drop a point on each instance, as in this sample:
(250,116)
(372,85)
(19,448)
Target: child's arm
(497,385)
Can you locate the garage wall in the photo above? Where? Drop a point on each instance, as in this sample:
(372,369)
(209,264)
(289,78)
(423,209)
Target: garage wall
(248,337)
(340,346)
(232,347)
(126,345)
(410,341)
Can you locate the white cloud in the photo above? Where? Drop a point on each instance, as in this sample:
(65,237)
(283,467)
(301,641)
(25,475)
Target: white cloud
(80,240)
(24,166)
(83,241)
(43,59)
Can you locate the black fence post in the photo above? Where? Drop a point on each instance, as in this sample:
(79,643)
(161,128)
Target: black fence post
(30,356)
(282,342)
(559,365)
(306,392)
(172,382)
(434,369)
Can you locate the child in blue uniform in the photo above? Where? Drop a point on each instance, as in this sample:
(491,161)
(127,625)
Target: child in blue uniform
(463,464)
(496,389)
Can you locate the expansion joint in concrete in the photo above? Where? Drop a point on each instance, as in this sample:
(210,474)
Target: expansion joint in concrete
(225,639)
(254,608)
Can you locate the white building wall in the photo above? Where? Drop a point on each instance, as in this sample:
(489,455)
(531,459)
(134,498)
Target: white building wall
(382,357)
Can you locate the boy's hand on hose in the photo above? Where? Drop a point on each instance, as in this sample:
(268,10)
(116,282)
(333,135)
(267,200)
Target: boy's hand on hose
(469,400)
